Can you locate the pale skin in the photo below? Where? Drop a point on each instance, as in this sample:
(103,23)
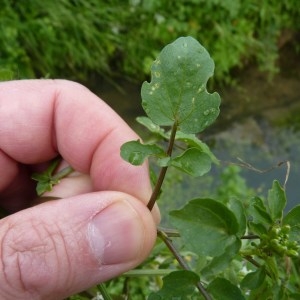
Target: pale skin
(101,226)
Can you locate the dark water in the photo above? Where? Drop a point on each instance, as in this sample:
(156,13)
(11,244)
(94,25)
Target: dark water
(259,123)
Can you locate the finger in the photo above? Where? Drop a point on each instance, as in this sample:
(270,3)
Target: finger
(74,184)
(57,249)
(40,118)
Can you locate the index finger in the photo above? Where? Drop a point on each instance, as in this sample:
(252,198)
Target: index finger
(41,118)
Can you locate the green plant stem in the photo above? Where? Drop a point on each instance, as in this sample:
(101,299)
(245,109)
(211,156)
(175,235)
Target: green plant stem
(255,263)
(163,171)
(170,232)
(252,261)
(62,173)
(102,289)
(181,261)
(250,237)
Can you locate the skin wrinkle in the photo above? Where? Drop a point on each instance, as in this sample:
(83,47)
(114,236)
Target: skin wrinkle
(97,146)
(11,284)
(15,252)
(62,260)
(106,172)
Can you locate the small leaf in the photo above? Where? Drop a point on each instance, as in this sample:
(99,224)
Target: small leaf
(193,162)
(152,127)
(236,206)
(206,225)
(293,219)
(272,267)
(257,228)
(44,179)
(265,291)
(219,263)
(276,201)
(192,141)
(254,279)
(222,289)
(47,174)
(136,153)
(176,285)
(177,91)
(257,213)
(43,186)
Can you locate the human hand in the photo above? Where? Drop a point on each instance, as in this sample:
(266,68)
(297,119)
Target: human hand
(101,228)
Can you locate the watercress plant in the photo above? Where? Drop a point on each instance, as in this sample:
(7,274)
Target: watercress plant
(229,248)
(251,237)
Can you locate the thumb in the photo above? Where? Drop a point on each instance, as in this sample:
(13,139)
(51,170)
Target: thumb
(58,248)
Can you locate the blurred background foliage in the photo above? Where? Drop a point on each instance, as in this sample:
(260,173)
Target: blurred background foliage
(76,39)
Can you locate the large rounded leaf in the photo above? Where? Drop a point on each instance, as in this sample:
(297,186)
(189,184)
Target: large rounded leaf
(177,91)
(207,226)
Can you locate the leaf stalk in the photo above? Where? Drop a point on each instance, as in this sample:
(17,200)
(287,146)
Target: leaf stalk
(163,171)
(102,289)
(181,261)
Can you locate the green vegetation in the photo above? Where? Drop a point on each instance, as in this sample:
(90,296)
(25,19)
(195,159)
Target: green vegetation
(240,247)
(75,39)
(234,245)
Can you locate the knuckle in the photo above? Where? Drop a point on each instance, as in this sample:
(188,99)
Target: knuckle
(29,258)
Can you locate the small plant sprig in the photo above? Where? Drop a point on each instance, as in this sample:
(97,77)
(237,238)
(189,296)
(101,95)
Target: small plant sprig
(47,179)
(224,235)
(177,98)
(243,248)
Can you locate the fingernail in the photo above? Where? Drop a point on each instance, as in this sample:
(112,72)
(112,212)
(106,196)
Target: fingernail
(116,234)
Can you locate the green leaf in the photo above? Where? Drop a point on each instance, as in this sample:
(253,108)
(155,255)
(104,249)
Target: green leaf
(293,219)
(222,289)
(44,186)
(276,201)
(177,91)
(265,291)
(176,285)
(152,127)
(47,174)
(135,152)
(254,279)
(220,263)
(192,161)
(44,179)
(192,141)
(257,213)
(206,224)
(272,267)
(236,206)
(257,228)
